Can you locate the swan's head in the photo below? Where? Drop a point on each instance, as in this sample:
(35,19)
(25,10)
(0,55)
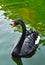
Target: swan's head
(16,22)
(13,25)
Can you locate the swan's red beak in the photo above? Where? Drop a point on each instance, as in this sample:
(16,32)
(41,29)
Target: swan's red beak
(13,25)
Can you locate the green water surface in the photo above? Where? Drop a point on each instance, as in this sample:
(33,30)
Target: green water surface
(32,12)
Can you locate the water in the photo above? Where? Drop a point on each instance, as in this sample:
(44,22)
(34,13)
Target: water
(8,37)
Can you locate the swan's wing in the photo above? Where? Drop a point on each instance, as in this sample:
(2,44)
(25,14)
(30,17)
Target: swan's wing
(28,32)
(28,45)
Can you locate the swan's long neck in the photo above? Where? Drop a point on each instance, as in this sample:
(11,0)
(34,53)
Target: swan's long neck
(20,43)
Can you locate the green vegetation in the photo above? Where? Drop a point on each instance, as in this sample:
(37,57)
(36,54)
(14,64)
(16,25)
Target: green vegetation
(30,11)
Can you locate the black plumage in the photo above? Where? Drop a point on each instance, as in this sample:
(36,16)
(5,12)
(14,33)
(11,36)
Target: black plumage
(26,44)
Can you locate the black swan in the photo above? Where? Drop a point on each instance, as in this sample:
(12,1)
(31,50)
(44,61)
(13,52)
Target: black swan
(27,43)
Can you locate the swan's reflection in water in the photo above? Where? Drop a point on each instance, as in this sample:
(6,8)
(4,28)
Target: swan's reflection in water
(18,61)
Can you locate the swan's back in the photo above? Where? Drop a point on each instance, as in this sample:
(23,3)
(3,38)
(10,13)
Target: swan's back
(29,44)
